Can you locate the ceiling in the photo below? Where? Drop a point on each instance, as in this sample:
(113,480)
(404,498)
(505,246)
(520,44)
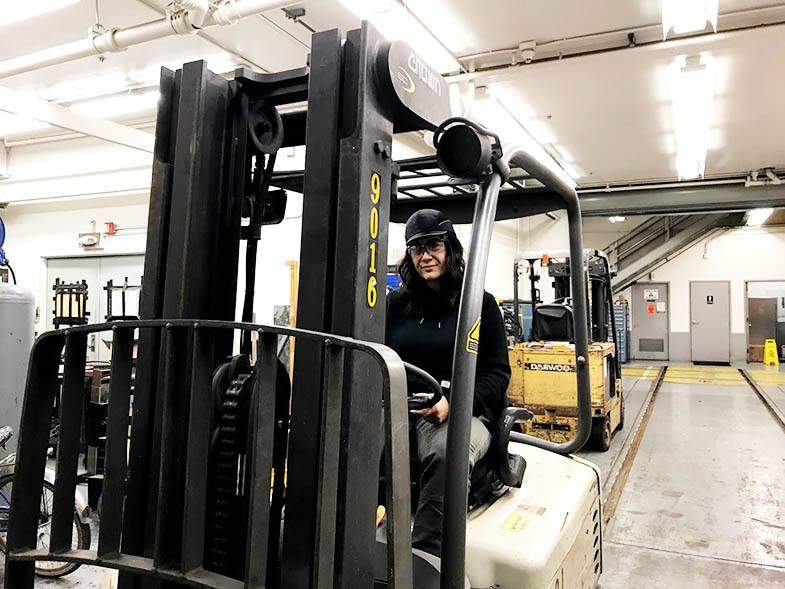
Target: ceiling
(607,113)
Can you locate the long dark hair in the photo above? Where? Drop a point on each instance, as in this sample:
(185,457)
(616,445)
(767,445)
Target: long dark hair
(416,293)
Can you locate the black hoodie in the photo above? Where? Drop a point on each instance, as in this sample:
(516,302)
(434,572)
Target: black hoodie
(428,343)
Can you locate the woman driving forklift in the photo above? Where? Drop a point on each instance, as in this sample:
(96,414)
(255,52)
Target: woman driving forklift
(422,316)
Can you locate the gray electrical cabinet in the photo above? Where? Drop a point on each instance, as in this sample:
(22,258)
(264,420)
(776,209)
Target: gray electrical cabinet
(620,311)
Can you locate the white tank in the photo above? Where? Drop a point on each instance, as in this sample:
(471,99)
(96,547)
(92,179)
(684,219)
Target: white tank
(17,320)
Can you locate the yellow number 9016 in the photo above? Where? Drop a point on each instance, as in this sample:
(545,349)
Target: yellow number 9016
(372,291)
(373,230)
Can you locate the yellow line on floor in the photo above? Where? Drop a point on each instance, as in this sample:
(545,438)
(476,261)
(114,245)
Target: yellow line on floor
(705,380)
(763,376)
(642,372)
(720,375)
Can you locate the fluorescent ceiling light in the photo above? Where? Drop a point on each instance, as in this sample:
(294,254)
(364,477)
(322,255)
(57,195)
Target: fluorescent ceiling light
(22,10)
(117,105)
(523,120)
(444,23)
(115,82)
(693,95)
(218,63)
(525,114)
(571,170)
(616,219)
(86,87)
(498,117)
(756,217)
(18,125)
(686,16)
(395,22)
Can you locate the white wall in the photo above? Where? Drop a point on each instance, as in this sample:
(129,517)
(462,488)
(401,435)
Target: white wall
(739,255)
(75,168)
(37,231)
(748,253)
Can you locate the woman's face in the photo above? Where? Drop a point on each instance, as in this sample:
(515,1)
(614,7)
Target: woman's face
(428,256)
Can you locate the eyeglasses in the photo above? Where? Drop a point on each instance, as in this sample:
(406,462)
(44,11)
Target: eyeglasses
(435,246)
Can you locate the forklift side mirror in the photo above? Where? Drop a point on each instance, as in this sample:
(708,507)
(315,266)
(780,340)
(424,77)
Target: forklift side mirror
(464,149)
(463,153)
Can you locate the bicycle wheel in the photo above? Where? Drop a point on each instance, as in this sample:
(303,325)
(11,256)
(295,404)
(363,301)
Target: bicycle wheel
(80,534)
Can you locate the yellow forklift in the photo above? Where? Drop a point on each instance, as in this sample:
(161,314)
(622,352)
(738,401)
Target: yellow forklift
(543,367)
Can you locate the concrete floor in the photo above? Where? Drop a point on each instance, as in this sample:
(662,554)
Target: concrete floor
(703,505)
(635,396)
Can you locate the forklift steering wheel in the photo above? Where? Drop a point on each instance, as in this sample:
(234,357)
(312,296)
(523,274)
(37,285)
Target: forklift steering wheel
(419,378)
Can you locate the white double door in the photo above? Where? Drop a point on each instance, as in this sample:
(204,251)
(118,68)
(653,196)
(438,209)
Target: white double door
(97,271)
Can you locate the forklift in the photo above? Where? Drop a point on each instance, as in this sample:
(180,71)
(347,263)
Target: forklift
(235,475)
(542,366)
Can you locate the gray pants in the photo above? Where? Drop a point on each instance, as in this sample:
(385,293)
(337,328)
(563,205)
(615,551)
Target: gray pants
(432,454)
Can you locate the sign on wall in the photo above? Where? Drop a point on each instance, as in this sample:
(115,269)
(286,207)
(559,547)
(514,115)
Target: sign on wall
(709,299)
(651,294)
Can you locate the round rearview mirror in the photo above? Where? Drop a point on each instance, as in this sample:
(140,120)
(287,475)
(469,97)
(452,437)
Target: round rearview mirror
(463,152)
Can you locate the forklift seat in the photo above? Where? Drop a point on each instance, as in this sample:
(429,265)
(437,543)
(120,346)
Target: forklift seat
(553,323)
(498,468)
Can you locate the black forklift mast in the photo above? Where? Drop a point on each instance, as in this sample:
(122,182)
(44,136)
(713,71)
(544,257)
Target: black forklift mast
(215,146)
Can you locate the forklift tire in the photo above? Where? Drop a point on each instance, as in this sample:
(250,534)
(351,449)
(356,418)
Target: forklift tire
(600,437)
(621,416)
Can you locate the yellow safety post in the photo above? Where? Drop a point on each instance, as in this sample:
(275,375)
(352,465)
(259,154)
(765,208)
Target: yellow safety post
(770,353)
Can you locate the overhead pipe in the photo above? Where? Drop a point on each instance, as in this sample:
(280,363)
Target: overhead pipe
(190,17)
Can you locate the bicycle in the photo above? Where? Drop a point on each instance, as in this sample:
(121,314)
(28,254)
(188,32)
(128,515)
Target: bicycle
(81,529)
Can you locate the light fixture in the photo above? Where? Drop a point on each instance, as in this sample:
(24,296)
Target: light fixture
(499,117)
(571,170)
(17,11)
(117,105)
(617,219)
(693,95)
(756,217)
(87,86)
(393,20)
(219,63)
(518,123)
(11,124)
(686,16)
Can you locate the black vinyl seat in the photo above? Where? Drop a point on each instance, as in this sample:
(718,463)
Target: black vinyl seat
(498,468)
(553,322)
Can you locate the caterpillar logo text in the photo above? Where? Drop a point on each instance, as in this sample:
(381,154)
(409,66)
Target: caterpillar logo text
(548,367)
(426,74)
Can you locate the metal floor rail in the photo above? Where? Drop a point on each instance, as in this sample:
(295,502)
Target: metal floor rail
(184,397)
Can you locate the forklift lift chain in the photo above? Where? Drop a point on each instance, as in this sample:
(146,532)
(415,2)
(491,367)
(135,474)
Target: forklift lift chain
(228,450)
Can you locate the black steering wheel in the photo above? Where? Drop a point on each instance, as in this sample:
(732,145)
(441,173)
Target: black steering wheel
(417,380)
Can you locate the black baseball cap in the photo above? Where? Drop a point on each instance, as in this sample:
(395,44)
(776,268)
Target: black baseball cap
(427,223)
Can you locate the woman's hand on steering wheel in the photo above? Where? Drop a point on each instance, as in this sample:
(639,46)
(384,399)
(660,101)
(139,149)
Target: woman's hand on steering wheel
(436,414)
